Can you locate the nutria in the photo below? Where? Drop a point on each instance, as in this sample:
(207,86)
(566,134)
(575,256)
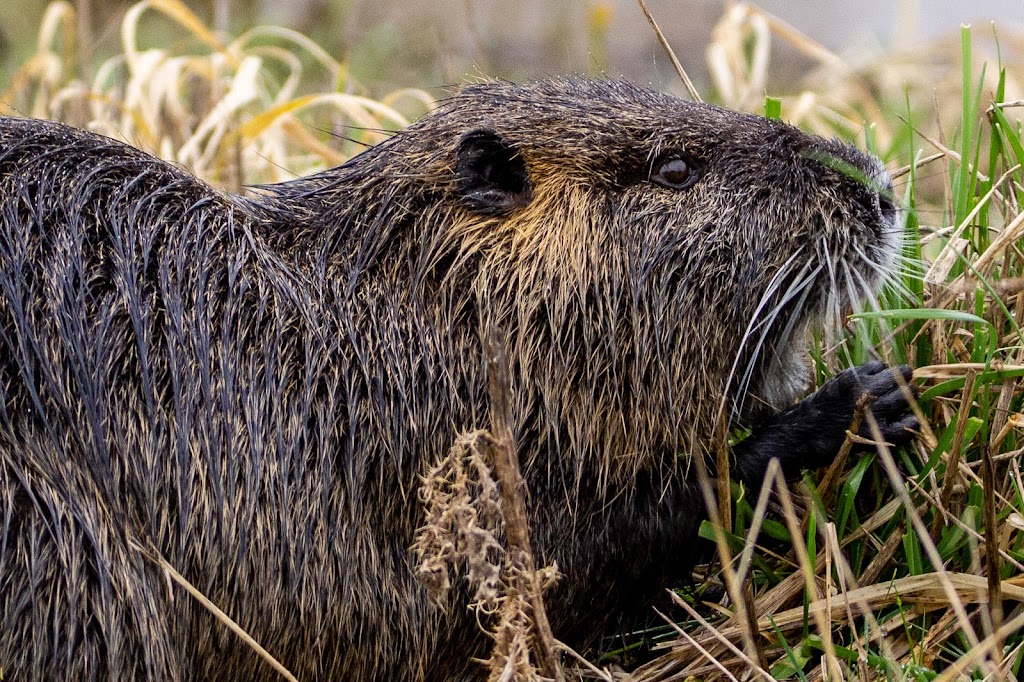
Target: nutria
(252,387)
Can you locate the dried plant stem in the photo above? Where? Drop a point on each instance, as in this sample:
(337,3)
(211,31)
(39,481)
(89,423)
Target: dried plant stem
(711,659)
(982,650)
(807,569)
(723,489)
(750,611)
(751,664)
(217,613)
(517,530)
(690,88)
(829,484)
(884,555)
(995,598)
(729,574)
(896,481)
(594,670)
(953,462)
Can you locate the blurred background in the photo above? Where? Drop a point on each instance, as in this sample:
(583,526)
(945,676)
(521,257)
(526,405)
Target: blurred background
(248,91)
(424,43)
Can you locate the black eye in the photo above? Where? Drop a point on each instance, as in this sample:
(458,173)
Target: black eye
(674,171)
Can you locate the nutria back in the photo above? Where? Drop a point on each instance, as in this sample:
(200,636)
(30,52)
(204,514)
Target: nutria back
(251,388)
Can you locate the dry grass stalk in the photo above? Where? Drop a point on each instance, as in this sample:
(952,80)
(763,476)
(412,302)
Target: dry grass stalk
(478,520)
(690,87)
(732,579)
(217,106)
(173,575)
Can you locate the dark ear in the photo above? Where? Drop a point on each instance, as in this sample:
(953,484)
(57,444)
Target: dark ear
(490,176)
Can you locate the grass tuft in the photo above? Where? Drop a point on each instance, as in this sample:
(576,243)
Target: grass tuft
(266,106)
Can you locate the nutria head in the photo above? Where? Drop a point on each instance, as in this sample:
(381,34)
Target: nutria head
(652,258)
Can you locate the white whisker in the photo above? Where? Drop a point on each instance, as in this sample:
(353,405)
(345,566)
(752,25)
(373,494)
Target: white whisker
(773,286)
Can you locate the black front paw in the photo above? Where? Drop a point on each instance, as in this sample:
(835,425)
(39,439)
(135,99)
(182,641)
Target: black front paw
(888,403)
(809,434)
(836,402)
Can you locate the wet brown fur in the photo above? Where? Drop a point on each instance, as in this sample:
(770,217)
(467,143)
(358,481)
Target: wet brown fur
(252,387)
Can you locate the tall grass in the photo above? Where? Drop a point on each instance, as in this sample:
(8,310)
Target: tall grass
(901,565)
(265,106)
